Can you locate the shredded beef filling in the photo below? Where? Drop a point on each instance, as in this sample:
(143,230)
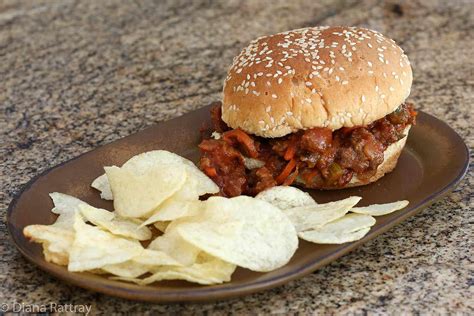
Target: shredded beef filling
(319,157)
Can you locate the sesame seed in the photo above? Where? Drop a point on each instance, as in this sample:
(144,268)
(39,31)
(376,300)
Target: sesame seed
(280,80)
(363,98)
(345,82)
(308,83)
(274,96)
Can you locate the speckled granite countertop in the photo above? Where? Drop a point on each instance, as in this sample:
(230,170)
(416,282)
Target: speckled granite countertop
(75,75)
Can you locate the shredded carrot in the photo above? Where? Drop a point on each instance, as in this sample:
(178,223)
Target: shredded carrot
(291,178)
(211,172)
(286,171)
(290,151)
(242,138)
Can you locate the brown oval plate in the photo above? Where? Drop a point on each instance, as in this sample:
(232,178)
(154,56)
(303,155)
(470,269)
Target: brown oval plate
(434,160)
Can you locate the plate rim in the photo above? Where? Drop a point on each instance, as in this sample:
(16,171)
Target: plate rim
(199,294)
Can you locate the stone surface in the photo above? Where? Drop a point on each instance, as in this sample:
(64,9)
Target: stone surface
(78,74)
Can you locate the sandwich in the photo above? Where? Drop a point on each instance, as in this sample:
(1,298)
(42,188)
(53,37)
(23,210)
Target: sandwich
(318,107)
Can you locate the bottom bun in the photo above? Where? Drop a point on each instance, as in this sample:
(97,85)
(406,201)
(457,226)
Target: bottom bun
(390,159)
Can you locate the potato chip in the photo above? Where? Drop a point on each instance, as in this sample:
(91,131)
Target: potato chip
(64,203)
(380,209)
(59,258)
(138,193)
(206,270)
(127,269)
(348,228)
(315,216)
(148,260)
(56,241)
(171,210)
(150,257)
(204,184)
(176,247)
(161,226)
(330,238)
(102,184)
(94,248)
(65,220)
(96,215)
(66,206)
(285,197)
(247,232)
(58,237)
(117,225)
(147,160)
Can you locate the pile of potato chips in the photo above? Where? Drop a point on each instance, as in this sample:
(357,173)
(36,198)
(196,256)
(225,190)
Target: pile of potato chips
(200,241)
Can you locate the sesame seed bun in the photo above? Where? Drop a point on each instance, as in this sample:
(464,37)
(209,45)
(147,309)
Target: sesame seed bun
(315,77)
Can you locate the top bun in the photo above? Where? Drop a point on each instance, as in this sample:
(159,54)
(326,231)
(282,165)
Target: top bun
(315,77)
